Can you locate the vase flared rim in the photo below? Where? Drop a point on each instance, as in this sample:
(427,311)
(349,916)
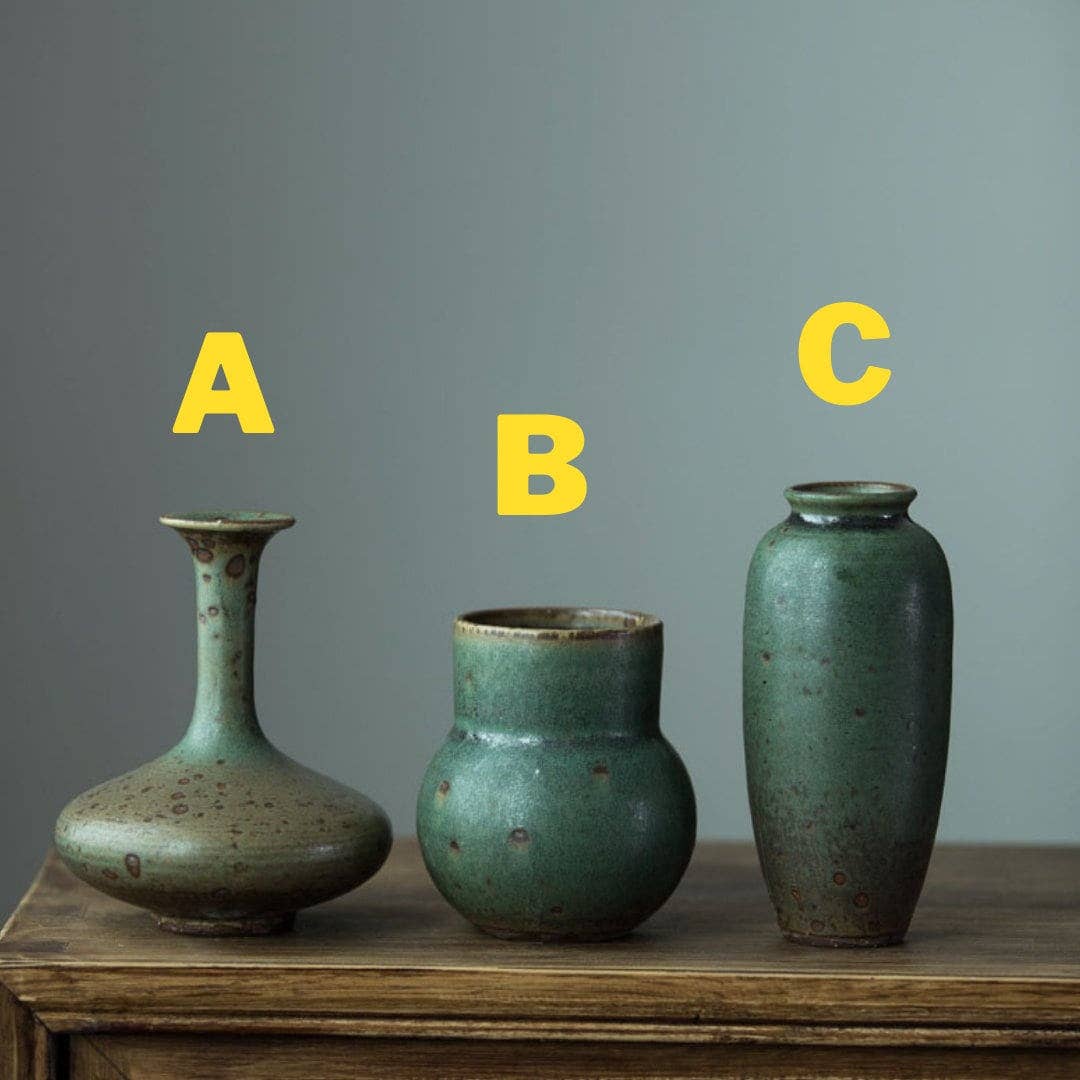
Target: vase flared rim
(229,521)
(556,623)
(850,496)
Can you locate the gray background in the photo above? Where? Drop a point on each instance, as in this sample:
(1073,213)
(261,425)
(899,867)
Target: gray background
(423,214)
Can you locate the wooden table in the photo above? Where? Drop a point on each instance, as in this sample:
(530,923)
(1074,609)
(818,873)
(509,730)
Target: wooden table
(389,981)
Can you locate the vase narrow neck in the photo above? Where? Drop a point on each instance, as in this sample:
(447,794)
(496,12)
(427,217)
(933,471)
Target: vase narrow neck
(226,581)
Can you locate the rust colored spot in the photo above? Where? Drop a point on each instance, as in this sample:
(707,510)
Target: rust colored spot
(212,611)
(817,925)
(220,785)
(235,566)
(177,795)
(766,656)
(840,878)
(179,808)
(860,712)
(203,555)
(207,577)
(861,899)
(601,771)
(443,789)
(557,909)
(197,776)
(519,838)
(455,847)
(112,875)
(796,896)
(184,780)
(134,867)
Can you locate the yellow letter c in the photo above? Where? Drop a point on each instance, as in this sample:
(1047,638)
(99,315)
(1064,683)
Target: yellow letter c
(815,353)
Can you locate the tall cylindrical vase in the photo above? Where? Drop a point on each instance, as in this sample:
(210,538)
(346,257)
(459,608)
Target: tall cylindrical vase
(847,675)
(224,834)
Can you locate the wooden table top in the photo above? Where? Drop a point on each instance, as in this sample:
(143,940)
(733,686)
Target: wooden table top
(995,944)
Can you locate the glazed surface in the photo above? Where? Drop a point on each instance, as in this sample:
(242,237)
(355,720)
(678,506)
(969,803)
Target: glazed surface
(224,828)
(847,670)
(556,809)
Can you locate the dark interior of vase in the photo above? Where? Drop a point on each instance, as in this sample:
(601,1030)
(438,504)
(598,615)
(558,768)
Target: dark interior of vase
(558,618)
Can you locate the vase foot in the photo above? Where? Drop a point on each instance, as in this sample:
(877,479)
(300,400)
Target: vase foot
(831,941)
(257,926)
(554,937)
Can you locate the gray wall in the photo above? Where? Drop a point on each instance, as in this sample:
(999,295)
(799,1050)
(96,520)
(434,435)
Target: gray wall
(423,214)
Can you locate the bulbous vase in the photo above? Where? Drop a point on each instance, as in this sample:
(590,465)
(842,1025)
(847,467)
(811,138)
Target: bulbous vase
(556,810)
(224,834)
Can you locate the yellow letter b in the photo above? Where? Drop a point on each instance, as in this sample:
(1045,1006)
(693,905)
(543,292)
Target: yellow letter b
(243,398)
(516,464)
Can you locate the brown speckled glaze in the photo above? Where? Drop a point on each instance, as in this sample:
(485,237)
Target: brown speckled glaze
(224,834)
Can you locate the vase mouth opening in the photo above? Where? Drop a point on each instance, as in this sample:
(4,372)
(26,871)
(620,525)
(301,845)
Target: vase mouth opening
(229,521)
(556,623)
(850,497)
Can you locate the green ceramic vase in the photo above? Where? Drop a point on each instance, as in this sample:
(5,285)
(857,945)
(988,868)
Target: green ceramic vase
(847,673)
(556,810)
(224,834)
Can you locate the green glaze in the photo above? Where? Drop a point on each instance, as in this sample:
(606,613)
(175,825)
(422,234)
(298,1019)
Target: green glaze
(847,673)
(224,834)
(556,810)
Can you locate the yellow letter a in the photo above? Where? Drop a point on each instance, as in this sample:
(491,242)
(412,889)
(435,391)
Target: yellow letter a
(225,351)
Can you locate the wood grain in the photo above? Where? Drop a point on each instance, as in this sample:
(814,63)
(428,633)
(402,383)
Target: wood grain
(88,1062)
(993,958)
(239,1058)
(26,1047)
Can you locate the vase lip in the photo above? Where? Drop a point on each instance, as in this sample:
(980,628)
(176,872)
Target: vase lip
(556,623)
(850,497)
(229,521)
